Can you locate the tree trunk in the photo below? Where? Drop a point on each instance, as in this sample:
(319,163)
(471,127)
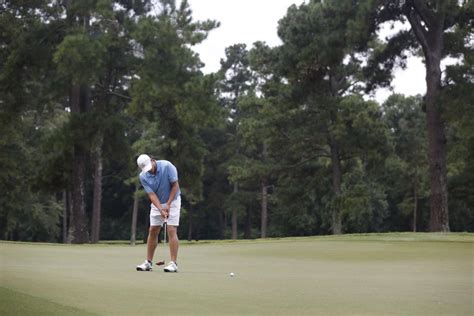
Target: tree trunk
(264,190)
(336,186)
(190,222)
(78,229)
(222,224)
(415,205)
(248,223)
(65,215)
(439,220)
(197,231)
(234,215)
(264,219)
(97,197)
(80,101)
(134,216)
(428,27)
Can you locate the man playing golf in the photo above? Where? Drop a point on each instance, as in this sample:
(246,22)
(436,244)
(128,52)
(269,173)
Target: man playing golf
(160,181)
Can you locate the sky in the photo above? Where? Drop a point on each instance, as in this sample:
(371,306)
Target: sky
(248,21)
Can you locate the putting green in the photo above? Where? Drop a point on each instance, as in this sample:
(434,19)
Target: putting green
(385,274)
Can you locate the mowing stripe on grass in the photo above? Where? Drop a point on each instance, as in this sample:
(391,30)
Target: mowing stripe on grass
(16,303)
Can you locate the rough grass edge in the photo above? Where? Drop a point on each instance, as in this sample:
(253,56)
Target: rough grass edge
(464,237)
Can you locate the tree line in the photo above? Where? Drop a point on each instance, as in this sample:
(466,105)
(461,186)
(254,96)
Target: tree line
(281,141)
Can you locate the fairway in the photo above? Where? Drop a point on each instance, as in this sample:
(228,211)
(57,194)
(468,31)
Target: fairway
(386,274)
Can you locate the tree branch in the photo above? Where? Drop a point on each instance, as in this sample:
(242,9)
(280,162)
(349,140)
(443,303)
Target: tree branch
(126,97)
(119,95)
(420,33)
(425,13)
(348,86)
(304,161)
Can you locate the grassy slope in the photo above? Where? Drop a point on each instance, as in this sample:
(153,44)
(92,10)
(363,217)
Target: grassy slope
(395,274)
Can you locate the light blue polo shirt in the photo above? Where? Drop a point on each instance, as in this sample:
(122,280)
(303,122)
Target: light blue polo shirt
(160,183)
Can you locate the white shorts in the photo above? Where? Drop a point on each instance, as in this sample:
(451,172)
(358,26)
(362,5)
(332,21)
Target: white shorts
(173,218)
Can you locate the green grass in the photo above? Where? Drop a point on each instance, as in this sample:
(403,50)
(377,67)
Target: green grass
(374,274)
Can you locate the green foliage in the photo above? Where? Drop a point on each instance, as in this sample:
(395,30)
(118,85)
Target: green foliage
(12,179)
(171,94)
(363,201)
(458,94)
(318,56)
(406,166)
(291,119)
(80,58)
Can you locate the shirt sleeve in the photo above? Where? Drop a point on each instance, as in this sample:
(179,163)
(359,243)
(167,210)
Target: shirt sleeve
(145,184)
(172,173)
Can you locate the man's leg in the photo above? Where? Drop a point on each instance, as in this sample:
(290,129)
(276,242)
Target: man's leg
(152,241)
(173,241)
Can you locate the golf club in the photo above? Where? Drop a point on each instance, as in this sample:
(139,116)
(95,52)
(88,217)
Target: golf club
(160,263)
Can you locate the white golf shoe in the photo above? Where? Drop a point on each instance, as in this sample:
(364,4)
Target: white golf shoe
(171,267)
(145,266)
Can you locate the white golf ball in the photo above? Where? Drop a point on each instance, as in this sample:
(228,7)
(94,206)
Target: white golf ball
(232,274)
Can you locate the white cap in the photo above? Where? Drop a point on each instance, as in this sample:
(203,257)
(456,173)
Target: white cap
(144,162)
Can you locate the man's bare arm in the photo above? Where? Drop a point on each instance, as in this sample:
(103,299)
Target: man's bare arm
(174,190)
